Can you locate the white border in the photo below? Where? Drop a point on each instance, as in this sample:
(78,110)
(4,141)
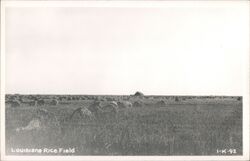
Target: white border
(137,4)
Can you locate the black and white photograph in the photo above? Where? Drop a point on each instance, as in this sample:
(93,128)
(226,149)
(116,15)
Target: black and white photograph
(115,79)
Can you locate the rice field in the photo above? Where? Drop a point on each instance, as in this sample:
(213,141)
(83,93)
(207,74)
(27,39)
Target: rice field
(184,125)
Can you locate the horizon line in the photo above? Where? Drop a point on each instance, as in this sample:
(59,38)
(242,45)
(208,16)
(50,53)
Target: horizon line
(120,94)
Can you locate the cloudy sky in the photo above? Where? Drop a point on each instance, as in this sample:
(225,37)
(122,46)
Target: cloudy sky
(110,50)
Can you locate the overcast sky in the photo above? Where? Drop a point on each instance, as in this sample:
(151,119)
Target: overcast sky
(159,51)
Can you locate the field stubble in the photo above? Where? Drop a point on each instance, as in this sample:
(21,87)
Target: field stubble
(179,128)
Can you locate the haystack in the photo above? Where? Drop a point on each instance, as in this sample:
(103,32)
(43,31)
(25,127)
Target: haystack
(42,120)
(161,103)
(82,114)
(137,104)
(140,94)
(124,104)
(41,102)
(54,102)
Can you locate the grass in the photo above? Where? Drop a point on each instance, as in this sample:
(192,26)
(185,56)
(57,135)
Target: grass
(180,128)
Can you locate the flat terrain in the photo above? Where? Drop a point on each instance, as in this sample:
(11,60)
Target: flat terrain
(154,125)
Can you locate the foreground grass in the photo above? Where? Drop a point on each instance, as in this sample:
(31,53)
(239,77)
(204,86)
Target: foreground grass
(177,129)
